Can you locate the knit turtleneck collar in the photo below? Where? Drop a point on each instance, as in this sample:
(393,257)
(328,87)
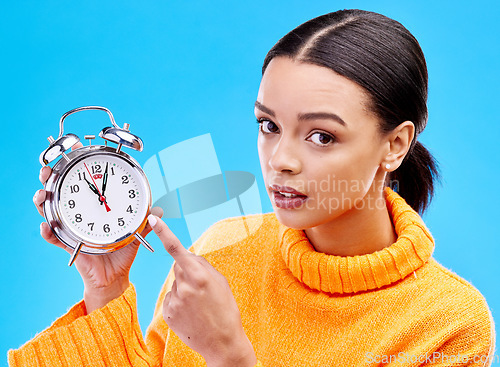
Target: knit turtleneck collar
(349,274)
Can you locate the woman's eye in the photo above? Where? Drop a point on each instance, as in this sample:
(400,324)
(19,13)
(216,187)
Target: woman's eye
(267,126)
(321,139)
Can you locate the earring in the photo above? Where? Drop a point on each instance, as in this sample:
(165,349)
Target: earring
(387,166)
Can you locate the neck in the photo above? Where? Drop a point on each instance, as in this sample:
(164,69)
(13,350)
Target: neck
(351,274)
(357,231)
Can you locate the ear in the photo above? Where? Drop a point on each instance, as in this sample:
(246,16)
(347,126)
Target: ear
(399,140)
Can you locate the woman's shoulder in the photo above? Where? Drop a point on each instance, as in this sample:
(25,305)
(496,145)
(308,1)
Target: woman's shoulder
(234,230)
(450,283)
(453,309)
(457,295)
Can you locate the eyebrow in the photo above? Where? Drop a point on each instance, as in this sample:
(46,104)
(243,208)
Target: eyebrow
(263,108)
(305,116)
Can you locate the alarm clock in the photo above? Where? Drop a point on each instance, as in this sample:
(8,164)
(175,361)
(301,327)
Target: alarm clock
(98,197)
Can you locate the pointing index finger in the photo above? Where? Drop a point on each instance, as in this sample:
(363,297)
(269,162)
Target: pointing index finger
(171,243)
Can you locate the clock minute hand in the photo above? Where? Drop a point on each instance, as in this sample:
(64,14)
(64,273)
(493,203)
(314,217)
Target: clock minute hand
(104,180)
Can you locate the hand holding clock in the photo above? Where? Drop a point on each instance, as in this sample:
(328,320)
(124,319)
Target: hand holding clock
(106,276)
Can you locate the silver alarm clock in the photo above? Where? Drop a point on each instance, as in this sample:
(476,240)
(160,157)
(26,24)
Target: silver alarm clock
(98,197)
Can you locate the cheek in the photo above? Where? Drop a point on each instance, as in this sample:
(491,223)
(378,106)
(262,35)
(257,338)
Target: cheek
(342,175)
(263,150)
(367,163)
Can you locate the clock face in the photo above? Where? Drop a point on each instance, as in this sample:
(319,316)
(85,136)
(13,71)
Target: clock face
(103,199)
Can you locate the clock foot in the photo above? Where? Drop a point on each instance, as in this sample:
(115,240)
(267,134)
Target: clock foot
(144,242)
(75,254)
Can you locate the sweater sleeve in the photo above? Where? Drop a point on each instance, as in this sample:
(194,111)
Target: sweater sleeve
(110,336)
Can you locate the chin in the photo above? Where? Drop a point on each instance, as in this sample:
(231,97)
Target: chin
(299,218)
(304,218)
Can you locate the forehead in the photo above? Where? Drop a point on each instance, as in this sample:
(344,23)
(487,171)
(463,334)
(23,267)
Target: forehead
(289,85)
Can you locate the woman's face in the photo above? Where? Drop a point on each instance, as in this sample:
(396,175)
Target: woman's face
(319,145)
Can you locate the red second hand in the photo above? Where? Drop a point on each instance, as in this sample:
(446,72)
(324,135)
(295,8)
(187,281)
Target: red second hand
(102,198)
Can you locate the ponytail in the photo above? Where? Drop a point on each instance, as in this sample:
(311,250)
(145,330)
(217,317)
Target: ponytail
(414,179)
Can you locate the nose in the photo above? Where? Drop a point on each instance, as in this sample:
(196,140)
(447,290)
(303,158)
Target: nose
(285,157)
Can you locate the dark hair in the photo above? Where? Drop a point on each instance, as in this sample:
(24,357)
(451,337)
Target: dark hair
(383,57)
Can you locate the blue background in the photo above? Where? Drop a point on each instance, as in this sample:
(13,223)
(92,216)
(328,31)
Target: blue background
(175,70)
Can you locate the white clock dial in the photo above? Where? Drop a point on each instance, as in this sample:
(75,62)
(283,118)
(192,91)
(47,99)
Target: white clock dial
(103,199)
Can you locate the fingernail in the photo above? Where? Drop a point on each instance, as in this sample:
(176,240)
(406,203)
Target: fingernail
(41,226)
(152,220)
(41,172)
(38,199)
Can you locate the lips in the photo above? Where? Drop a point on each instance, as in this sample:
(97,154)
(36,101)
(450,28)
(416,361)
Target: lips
(286,197)
(286,190)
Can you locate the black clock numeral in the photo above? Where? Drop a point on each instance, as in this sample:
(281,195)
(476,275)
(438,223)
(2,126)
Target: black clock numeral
(74,188)
(112,171)
(129,209)
(131,194)
(81,176)
(96,169)
(106,228)
(124,180)
(91,225)
(121,222)
(78,218)
(71,204)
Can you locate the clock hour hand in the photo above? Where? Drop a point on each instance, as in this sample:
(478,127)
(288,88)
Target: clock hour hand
(92,187)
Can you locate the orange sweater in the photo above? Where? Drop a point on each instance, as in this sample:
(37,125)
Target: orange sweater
(394,307)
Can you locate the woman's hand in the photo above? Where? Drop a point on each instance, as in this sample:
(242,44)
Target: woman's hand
(201,309)
(105,277)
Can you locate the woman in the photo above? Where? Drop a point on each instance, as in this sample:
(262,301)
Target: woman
(341,273)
